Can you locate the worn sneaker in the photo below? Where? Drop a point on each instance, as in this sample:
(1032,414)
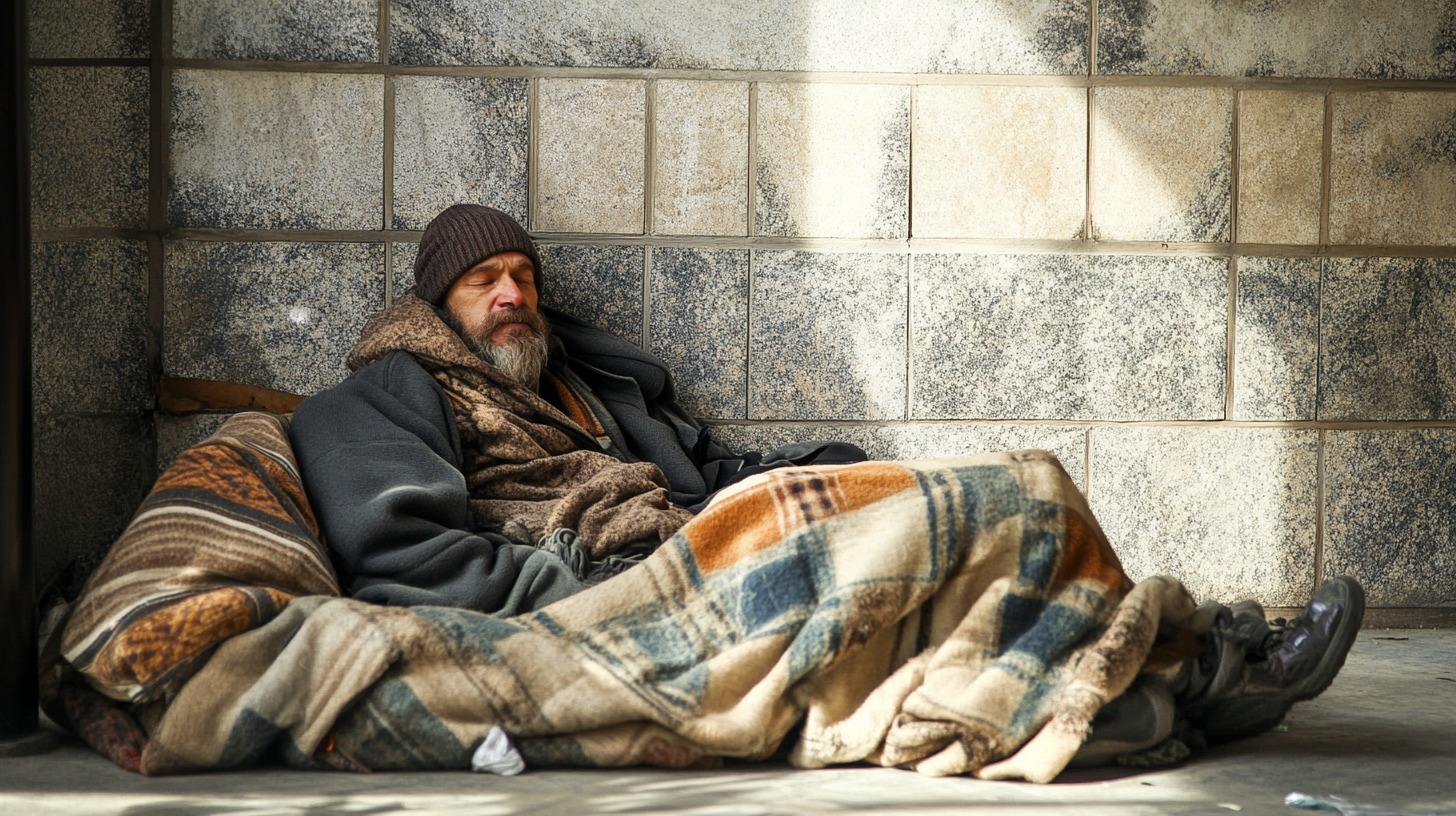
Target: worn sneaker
(1295,661)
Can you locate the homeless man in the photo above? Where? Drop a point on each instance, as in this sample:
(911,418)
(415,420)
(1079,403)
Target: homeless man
(481,458)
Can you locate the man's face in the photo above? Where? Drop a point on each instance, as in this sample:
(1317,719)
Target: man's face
(493,307)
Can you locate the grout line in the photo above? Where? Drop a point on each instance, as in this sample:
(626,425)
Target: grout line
(649,153)
(1319,505)
(748,341)
(751,226)
(158,184)
(1326,154)
(1090,79)
(387,186)
(384,32)
(533,152)
(1235,185)
(646,328)
(911,264)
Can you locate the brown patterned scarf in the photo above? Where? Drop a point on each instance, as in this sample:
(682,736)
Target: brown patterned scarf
(530,468)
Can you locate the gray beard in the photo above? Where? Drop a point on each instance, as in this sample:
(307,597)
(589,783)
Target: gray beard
(520,358)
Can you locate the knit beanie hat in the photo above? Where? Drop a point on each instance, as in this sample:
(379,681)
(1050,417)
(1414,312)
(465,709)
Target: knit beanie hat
(461,237)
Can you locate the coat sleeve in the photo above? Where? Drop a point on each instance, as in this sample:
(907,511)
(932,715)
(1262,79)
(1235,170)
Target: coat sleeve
(380,460)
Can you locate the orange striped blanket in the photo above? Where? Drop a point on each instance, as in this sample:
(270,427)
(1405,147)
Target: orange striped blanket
(954,616)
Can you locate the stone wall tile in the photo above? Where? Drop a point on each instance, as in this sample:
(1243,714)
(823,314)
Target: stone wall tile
(89,327)
(88,148)
(1390,513)
(312,30)
(701,172)
(265,150)
(1161,164)
(1281,138)
(459,140)
(1229,511)
(1387,344)
(402,265)
(591,148)
(601,285)
(1284,38)
(90,474)
(833,161)
(999,162)
(89,29)
(699,326)
(827,336)
(1276,338)
(1068,337)
(918,441)
(1393,168)
(943,36)
(279,315)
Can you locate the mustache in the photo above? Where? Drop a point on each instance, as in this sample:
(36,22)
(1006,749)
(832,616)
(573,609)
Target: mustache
(535,322)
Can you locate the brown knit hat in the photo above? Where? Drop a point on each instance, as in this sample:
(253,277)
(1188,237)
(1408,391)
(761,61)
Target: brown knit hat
(461,237)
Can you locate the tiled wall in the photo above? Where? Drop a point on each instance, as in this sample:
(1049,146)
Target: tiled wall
(1204,251)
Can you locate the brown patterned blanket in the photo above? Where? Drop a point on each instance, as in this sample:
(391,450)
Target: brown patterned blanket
(955,616)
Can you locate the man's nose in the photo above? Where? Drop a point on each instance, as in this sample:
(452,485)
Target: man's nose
(507,295)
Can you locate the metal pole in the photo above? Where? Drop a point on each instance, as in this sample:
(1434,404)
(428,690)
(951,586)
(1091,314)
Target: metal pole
(19,692)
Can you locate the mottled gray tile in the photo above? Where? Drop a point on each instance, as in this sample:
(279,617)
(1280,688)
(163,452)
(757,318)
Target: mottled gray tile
(180,432)
(402,267)
(827,336)
(919,440)
(699,326)
(999,162)
(591,155)
(1276,338)
(264,150)
(89,327)
(88,147)
(458,140)
(312,30)
(833,161)
(89,29)
(1390,513)
(1007,37)
(1393,168)
(279,315)
(1281,144)
(90,475)
(1161,163)
(1068,337)
(601,285)
(1285,38)
(1388,339)
(701,171)
(1229,511)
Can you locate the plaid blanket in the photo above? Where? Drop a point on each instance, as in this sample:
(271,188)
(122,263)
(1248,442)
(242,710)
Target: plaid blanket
(956,616)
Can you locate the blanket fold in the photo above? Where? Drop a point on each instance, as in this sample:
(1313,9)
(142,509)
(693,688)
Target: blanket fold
(954,616)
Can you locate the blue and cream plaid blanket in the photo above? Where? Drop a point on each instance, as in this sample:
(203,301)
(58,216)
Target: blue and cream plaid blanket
(954,616)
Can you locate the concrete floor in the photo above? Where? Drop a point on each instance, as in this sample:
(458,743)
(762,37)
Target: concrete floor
(1383,739)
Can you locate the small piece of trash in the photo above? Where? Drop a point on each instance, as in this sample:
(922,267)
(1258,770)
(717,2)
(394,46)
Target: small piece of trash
(1334,804)
(1392,638)
(1280,727)
(497,755)
(1230,806)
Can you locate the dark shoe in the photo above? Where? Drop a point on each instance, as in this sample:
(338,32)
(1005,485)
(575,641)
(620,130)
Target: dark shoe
(1282,663)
